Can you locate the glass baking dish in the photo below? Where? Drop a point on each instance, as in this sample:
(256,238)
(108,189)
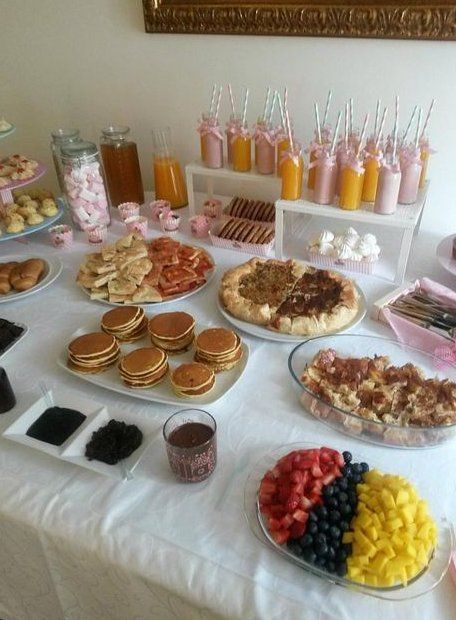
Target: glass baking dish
(357,346)
(423,583)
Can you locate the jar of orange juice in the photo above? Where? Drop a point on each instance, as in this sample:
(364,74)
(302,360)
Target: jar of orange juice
(352,183)
(292,166)
(283,143)
(241,144)
(372,160)
(232,127)
(169,180)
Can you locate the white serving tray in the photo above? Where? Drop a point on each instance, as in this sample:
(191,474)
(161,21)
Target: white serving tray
(52,270)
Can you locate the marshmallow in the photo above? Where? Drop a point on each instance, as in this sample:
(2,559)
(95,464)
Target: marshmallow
(86,195)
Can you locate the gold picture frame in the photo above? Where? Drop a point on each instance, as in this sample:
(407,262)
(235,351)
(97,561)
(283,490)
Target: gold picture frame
(415,19)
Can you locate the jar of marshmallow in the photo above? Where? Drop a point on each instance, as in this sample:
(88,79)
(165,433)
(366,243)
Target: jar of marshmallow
(84,185)
(348,250)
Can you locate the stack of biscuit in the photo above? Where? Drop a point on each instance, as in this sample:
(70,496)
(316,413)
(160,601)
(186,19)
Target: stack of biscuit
(251,209)
(218,348)
(143,368)
(172,331)
(192,380)
(127,324)
(93,353)
(245,231)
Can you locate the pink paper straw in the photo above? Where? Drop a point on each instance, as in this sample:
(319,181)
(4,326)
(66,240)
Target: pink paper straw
(336,131)
(231,100)
(427,118)
(290,137)
(382,123)
(363,133)
(218,102)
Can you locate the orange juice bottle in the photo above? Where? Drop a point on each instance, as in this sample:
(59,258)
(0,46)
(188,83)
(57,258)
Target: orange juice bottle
(425,152)
(283,144)
(292,168)
(169,180)
(241,150)
(372,170)
(311,175)
(352,185)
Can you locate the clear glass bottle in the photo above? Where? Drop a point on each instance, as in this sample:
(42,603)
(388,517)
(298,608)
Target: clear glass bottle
(84,185)
(169,180)
(59,139)
(121,165)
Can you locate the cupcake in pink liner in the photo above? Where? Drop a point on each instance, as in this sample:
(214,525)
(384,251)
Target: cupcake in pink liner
(212,208)
(169,222)
(138,224)
(61,236)
(200,225)
(96,234)
(127,210)
(157,207)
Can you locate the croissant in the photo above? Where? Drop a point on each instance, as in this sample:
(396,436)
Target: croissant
(5,271)
(26,274)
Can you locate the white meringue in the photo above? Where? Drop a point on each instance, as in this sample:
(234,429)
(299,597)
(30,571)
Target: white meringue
(326,249)
(369,238)
(351,231)
(338,241)
(375,250)
(326,236)
(351,240)
(344,252)
(365,249)
(356,256)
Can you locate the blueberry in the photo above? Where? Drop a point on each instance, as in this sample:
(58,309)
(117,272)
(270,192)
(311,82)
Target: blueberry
(341,555)
(331,553)
(309,555)
(312,528)
(321,550)
(331,566)
(306,540)
(347,456)
(320,539)
(334,532)
(342,497)
(347,547)
(345,510)
(328,490)
(320,562)
(357,468)
(343,484)
(313,516)
(323,526)
(344,525)
(353,498)
(357,478)
(294,547)
(334,516)
(341,569)
(332,502)
(364,467)
(322,512)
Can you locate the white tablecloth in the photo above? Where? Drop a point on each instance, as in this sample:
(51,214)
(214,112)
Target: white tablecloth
(77,545)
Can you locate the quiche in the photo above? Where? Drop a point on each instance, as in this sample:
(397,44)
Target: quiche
(289,296)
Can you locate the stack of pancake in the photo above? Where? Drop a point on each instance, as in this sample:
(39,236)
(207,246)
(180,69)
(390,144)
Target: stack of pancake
(93,353)
(127,324)
(218,348)
(192,380)
(143,368)
(172,331)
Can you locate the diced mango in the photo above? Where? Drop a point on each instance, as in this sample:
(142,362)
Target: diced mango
(402,497)
(393,524)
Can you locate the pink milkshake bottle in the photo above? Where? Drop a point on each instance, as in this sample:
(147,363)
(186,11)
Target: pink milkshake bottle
(264,137)
(389,180)
(211,140)
(410,161)
(326,171)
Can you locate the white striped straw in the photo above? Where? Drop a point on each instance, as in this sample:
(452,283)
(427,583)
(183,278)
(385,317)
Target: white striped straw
(266,103)
(351,115)
(346,127)
(282,116)
(336,131)
(244,110)
(377,116)
(212,99)
(317,122)
(231,100)
(271,111)
(328,102)
(218,102)
(407,129)
(427,118)
(396,124)
(380,131)
(418,128)
(290,137)
(285,99)
(363,133)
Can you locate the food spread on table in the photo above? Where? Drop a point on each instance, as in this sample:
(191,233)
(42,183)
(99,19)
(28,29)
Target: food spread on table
(20,276)
(347,519)
(55,425)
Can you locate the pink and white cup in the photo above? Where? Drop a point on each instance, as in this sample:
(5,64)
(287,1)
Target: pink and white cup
(97,234)
(137,224)
(200,226)
(169,222)
(61,236)
(127,210)
(212,208)
(157,207)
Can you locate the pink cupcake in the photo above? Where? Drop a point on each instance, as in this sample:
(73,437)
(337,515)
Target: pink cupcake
(200,225)
(128,209)
(97,234)
(157,207)
(138,224)
(61,236)
(212,208)
(169,222)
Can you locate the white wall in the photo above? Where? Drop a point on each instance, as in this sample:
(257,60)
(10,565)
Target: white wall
(86,62)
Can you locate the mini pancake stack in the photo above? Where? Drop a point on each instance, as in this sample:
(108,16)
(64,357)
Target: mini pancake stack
(172,331)
(93,353)
(143,368)
(192,380)
(127,323)
(218,348)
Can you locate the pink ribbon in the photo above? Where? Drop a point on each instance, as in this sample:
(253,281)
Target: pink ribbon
(424,146)
(354,163)
(409,157)
(260,134)
(394,168)
(288,154)
(242,132)
(206,128)
(324,160)
(377,156)
(314,147)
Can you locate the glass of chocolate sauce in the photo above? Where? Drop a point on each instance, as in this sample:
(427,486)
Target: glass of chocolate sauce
(191,445)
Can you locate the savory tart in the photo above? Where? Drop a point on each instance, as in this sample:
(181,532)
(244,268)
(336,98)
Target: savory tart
(290,297)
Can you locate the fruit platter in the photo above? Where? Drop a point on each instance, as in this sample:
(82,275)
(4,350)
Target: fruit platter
(347,521)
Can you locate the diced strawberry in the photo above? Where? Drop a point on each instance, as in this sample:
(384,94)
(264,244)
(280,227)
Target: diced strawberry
(269,476)
(275,472)
(300,515)
(274,524)
(316,471)
(317,486)
(265,510)
(315,498)
(328,478)
(287,521)
(292,502)
(297,476)
(285,466)
(297,488)
(297,529)
(284,492)
(335,455)
(277,510)
(268,487)
(280,536)
(265,498)
(306,502)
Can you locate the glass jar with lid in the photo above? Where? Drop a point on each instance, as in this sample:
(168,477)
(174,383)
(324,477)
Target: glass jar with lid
(121,165)
(84,185)
(59,139)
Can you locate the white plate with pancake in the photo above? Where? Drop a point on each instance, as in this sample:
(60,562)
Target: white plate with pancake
(269,334)
(52,269)
(162,392)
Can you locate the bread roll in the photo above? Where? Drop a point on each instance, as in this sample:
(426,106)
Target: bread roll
(26,274)
(5,271)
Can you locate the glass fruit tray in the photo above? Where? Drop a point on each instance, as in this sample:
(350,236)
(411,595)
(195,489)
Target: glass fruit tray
(357,346)
(428,579)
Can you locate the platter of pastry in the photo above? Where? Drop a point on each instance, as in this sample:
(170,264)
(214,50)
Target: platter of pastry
(20,277)
(286,301)
(18,170)
(166,358)
(30,212)
(136,271)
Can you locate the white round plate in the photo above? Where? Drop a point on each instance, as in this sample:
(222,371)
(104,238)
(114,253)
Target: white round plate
(268,334)
(209,275)
(52,270)
(8,132)
(33,229)
(445,254)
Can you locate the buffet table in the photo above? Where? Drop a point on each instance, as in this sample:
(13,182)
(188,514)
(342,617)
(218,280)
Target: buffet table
(75,544)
